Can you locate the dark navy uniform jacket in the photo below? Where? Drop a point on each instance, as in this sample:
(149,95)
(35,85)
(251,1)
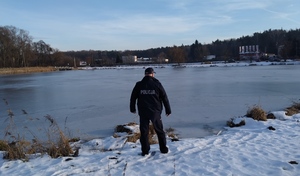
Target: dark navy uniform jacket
(150,96)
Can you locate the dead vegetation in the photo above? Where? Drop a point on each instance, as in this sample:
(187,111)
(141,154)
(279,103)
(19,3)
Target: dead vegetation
(25,70)
(15,146)
(257,113)
(58,143)
(293,109)
(134,136)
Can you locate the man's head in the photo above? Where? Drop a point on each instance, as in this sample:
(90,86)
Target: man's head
(149,72)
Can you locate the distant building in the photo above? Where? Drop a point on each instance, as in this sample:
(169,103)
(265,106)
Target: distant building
(209,57)
(82,63)
(144,60)
(129,59)
(249,52)
(135,59)
(270,57)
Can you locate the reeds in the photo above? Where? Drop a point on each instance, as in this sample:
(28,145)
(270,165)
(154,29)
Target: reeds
(24,70)
(17,147)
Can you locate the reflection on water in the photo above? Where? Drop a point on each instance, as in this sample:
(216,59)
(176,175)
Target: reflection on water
(92,103)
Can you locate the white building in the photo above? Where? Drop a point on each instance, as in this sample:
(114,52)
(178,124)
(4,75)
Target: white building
(129,59)
(249,52)
(210,57)
(82,63)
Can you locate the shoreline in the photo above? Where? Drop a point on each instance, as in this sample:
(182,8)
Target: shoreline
(25,70)
(243,151)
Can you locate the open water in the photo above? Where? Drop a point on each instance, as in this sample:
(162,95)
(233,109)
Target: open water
(90,103)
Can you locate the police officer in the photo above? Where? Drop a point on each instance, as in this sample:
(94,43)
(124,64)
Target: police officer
(151,97)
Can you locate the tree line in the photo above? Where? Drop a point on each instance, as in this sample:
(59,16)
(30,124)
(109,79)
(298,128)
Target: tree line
(17,49)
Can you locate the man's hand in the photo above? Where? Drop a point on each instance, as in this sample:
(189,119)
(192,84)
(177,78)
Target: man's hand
(168,115)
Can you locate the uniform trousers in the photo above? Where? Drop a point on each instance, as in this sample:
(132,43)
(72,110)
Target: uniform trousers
(158,127)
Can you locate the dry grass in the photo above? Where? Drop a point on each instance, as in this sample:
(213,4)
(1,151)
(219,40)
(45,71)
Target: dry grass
(56,146)
(23,70)
(58,143)
(17,150)
(294,109)
(60,148)
(257,113)
(133,137)
(16,147)
(3,145)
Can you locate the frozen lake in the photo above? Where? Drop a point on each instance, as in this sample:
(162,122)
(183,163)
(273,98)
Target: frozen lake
(93,102)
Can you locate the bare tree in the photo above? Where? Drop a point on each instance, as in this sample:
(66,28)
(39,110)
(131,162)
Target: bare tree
(43,53)
(285,50)
(15,47)
(24,48)
(177,54)
(161,57)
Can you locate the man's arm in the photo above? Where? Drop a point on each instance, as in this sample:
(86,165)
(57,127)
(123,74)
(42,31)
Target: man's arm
(133,97)
(165,101)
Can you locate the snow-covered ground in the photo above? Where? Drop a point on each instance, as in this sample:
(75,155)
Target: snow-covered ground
(252,149)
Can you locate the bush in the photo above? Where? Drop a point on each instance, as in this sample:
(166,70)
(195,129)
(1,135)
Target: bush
(294,109)
(257,113)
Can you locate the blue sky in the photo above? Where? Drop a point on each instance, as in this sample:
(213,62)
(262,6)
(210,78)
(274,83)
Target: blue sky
(143,24)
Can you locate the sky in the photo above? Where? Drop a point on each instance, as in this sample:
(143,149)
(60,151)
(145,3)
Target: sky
(258,148)
(139,25)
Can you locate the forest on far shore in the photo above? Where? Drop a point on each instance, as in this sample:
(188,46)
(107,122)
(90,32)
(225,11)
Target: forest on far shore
(17,49)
